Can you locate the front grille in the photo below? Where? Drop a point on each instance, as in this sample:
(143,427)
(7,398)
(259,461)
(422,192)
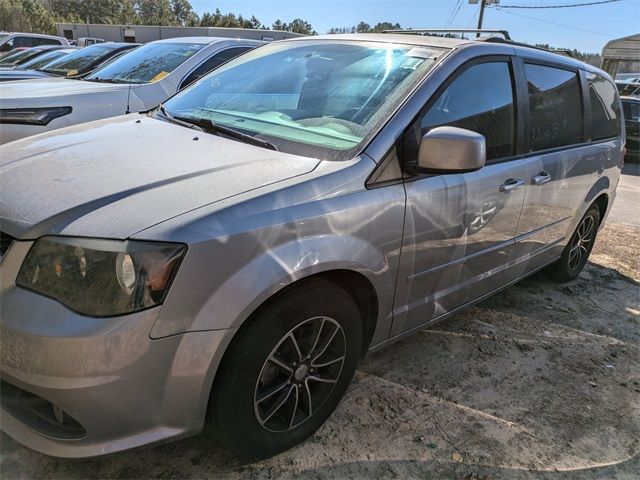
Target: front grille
(39,414)
(5,243)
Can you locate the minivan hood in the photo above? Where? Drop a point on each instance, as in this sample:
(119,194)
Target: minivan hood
(115,177)
(16,94)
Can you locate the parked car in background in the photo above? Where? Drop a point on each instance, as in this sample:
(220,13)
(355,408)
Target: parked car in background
(86,41)
(628,88)
(12,40)
(30,69)
(627,77)
(75,65)
(232,254)
(20,57)
(84,61)
(631,109)
(137,81)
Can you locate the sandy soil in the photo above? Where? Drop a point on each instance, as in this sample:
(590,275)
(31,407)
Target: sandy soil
(540,381)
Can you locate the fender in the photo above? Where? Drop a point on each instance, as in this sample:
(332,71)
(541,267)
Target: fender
(244,291)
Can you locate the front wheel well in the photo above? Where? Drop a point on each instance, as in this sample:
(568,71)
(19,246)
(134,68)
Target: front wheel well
(363,293)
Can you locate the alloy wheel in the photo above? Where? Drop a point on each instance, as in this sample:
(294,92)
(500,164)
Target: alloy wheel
(299,374)
(582,242)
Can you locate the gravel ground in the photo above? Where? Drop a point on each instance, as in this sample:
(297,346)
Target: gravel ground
(540,381)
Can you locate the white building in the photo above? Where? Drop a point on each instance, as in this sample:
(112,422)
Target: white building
(147,33)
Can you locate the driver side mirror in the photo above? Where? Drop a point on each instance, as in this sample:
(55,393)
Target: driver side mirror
(451,150)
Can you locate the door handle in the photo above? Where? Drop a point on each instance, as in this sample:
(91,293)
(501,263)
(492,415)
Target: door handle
(541,178)
(511,185)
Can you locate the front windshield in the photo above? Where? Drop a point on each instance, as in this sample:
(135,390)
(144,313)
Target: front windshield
(17,57)
(316,99)
(77,62)
(43,59)
(148,63)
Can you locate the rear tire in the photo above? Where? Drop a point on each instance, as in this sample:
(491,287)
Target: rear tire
(287,369)
(576,253)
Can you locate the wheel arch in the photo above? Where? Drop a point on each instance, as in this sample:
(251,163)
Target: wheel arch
(357,285)
(602,201)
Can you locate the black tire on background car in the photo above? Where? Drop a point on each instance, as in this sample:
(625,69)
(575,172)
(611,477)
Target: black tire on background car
(287,369)
(576,253)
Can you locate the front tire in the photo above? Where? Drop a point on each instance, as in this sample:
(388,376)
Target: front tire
(576,253)
(287,369)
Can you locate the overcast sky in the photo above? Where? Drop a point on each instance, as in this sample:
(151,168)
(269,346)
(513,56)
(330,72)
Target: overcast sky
(585,28)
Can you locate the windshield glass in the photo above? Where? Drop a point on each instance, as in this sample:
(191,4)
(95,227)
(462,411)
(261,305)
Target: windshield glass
(148,63)
(19,56)
(77,62)
(317,99)
(43,59)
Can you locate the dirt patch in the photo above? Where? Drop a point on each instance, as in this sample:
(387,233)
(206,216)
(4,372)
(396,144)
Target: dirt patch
(540,381)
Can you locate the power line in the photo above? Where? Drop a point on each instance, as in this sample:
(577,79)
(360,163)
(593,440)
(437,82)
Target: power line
(500,7)
(454,12)
(473,17)
(559,24)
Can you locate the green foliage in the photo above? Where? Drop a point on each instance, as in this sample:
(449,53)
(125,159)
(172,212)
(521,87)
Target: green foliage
(26,16)
(594,59)
(155,12)
(183,13)
(104,11)
(364,27)
(300,26)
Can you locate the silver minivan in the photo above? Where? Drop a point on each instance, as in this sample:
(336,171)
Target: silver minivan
(225,259)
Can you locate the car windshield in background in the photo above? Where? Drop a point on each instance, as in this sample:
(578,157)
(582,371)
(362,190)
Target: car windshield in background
(17,57)
(148,63)
(41,60)
(77,62)
(316,99)
(631,110)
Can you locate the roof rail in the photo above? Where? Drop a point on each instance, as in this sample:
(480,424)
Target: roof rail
(559,51)
(504,33)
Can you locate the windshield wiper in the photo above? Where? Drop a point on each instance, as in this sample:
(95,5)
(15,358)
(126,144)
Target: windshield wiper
(102,80)
(210,126)
(173,119)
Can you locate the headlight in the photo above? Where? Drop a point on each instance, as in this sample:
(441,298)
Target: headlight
(32,116)
(101,277)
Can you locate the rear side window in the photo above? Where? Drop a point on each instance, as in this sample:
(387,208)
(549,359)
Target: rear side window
(45,41)
(22,42)
(605,108)
(212,63)
(555,108)
(479,99)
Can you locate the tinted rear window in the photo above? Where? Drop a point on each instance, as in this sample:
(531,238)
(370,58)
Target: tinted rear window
(605,108)
(555,107)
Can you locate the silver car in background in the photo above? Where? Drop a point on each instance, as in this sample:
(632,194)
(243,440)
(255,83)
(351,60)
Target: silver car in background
(228,257)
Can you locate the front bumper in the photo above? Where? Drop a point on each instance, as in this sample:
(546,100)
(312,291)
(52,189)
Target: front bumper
(107,375)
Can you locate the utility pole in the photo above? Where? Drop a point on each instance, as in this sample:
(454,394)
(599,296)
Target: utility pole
(483,4)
